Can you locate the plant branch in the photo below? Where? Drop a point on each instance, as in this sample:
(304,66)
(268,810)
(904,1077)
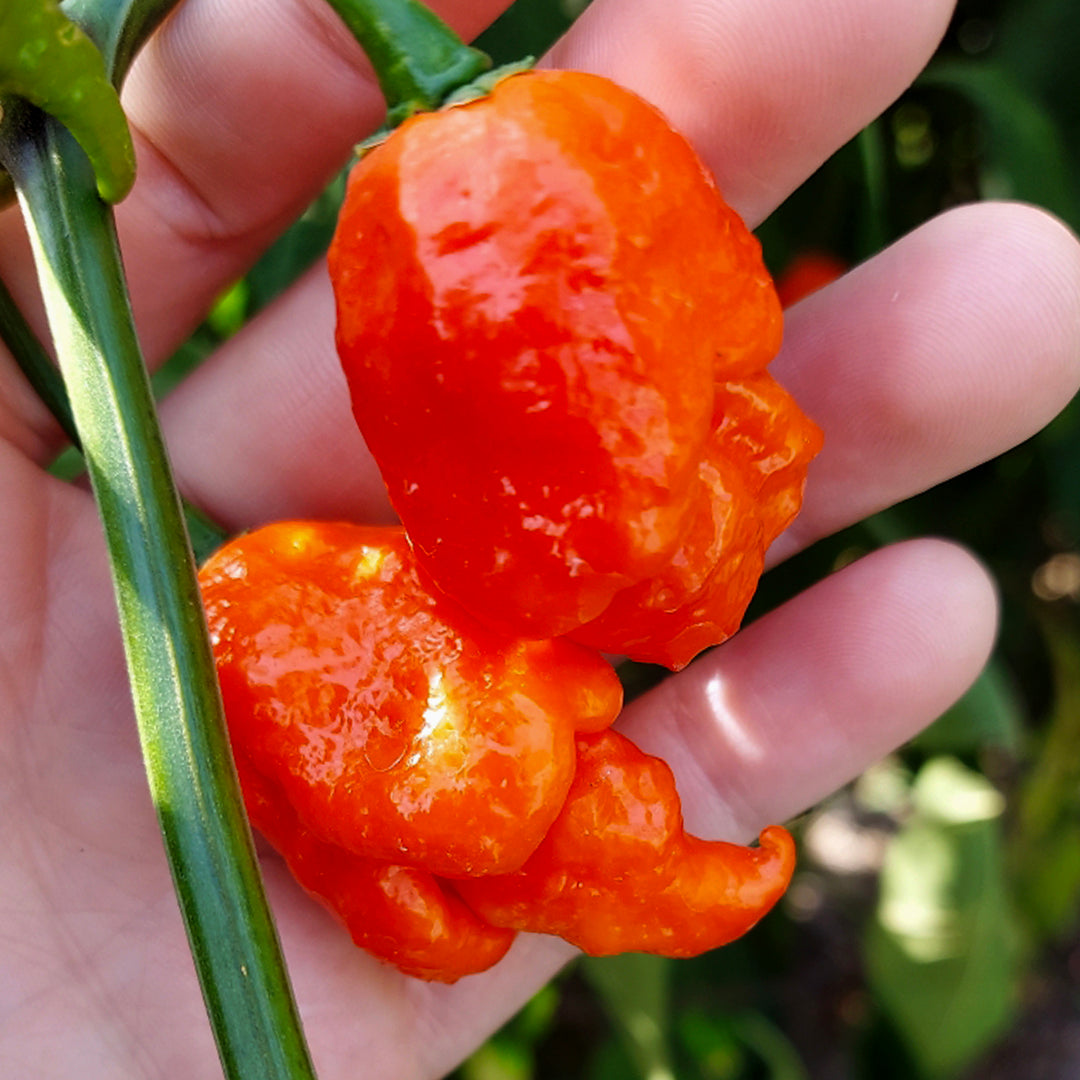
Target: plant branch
(174,685)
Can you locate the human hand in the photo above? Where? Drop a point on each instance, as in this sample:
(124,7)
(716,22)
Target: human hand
(939,353)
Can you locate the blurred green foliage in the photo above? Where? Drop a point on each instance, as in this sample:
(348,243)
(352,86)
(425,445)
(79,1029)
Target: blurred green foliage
(932,932)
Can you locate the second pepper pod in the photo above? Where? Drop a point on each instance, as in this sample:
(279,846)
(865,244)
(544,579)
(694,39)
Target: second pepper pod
(441,785)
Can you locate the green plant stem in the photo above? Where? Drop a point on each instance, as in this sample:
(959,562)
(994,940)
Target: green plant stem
(418,60)
(174,686)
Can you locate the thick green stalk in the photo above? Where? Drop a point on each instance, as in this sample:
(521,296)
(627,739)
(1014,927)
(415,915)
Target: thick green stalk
(174,687)
(418,60)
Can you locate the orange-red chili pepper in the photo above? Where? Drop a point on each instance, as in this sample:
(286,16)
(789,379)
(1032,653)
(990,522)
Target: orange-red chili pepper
(618,873)
(395,725)
(440,785)
(751,478)
(402,915)
(548,316)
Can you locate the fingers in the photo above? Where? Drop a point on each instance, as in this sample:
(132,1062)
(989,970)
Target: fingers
(765,91)
(947,349)
(240,120)
(264,430)
(804,699)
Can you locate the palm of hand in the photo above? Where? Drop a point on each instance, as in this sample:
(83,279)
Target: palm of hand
(909,364)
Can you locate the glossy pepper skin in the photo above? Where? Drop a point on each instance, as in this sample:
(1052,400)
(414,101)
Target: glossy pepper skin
(544,309)
(402,915)
(395,726)
(618,873)
(750,479)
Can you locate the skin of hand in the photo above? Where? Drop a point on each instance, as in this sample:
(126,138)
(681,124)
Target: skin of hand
(913,364)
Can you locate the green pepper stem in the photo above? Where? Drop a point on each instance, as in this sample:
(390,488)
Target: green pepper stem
(173,679)
(417,58)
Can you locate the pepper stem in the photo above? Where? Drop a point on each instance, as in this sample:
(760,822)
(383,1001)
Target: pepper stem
(418,60)
(173,680)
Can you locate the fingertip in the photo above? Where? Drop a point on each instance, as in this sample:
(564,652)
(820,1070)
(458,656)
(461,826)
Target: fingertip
(943,620)
(952,346)
(801,701)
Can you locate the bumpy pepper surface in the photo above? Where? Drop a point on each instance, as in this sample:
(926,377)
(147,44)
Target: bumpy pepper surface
(440,786)
(395,725)
(402,915)
(618,873)
(548,318)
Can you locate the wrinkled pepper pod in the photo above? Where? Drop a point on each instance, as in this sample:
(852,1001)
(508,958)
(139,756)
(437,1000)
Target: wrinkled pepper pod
(618,873)
(546,313)
(401,915)
(395,725)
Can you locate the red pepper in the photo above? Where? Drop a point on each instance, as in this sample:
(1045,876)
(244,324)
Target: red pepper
(396,726)
(402,915)
(547,316)
(617,872)
(440,785)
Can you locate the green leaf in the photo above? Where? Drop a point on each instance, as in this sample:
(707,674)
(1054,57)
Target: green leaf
(940,951)
(989,715)
(635,991)
(527,27)
(229,311)
(711,1045)
(610,1060)
(1025,150)
(1045,838)
(498,1060)
(770,1045)
(47,60)
(723,1047)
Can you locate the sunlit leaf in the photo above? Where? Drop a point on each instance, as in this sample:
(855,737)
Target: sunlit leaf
(1045,855)
(939,950)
